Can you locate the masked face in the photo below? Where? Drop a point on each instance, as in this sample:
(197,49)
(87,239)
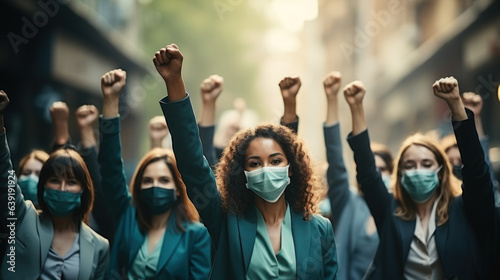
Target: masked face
(266,169)
(420,184)
(158,190)
(268,182)
(62,195)
(29,185)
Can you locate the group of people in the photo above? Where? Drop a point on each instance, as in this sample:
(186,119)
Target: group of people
(251,209)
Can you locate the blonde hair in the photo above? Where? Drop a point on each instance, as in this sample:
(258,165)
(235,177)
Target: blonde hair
(447,190)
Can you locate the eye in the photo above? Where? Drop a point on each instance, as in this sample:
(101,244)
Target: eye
(276,161)
(54,180)
(165,180)
(72,182)
(254,164)
(147,180)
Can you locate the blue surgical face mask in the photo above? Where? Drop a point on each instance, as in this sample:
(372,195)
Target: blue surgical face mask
(268,182)
(387,181)
(420,184)
(158,200)
(28,185)
(61,203)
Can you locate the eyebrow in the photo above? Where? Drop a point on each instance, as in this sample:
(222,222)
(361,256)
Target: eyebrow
(270,156)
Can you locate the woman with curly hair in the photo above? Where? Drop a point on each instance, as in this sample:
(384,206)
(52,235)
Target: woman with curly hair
(260,215)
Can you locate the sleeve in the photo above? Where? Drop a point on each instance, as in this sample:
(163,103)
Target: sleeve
(294,126)
(200,261)
(102,266)
(194,168)
(13,207)
(477,185)
(100,212)
(337,177)
(485,145)
(113,179)
(207,141)
(329,252)
(375,193)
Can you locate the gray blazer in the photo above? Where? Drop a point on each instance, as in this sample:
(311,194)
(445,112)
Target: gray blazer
(34,233)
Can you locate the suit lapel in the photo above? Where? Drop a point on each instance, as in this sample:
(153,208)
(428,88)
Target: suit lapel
(171,240)
(407,231)
(301,230)
(247,228)
(136,238)
(46,233)
(87,249)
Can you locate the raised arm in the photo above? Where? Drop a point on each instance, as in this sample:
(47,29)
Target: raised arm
(337,177)
(12,202)
(59,112)
(477,186)
(289,87)
(194,168)
(114,181)
(375,193)
(210,90)
(86,117)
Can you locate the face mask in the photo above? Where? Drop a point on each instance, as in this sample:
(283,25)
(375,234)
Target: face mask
(457,171)
(158,200)
(420,184)
(387,181)
(28,185)
(268,182)
(61,203)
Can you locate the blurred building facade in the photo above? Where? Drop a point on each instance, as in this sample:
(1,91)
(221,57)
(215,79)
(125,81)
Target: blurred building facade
(57,51)
(400,48)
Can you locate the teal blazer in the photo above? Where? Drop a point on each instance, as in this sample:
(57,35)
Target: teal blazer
(184,255)
(234,236)
(34,233)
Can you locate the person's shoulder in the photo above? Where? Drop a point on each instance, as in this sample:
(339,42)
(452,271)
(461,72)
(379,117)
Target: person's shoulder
(320,221)
(194,226)
(96,237)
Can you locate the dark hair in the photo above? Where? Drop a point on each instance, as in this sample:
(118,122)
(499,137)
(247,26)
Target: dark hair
(383,152)
(67,163)
(184,208)
(301,194)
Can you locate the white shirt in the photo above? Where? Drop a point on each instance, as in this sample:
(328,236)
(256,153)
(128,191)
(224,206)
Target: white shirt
(423,260)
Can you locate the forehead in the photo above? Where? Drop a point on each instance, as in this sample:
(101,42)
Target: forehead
(33,163)
(263,147)
(379,161)
(157,169)
(417,153)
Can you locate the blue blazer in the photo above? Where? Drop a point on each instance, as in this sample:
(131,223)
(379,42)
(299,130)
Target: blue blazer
(34,233)
(184,255)
(464,243)
(232,235)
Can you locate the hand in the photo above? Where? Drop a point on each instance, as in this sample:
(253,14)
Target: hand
(59,112)
(158,128)
(354,93)
(211,88)
(86,116)
(474,102)
(4,101)
(289,87)
(168,62)
(113,82)
(447,89)
(331,84)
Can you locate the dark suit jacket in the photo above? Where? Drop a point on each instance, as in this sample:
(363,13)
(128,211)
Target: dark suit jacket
(234,236)
(184,255)
(463,242)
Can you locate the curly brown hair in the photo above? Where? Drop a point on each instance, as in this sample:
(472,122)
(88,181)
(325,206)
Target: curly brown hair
(302,193)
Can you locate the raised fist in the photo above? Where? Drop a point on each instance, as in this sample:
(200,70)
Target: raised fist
(168,62)
(289,87)
(59,112)
(113,82)
(158,128)
(86,116)
(354,93)
(473,101)
(211,88)
(331,83)
(4,101)
(447,89)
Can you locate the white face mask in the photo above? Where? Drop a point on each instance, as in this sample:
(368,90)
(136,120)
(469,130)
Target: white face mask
(269,183)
